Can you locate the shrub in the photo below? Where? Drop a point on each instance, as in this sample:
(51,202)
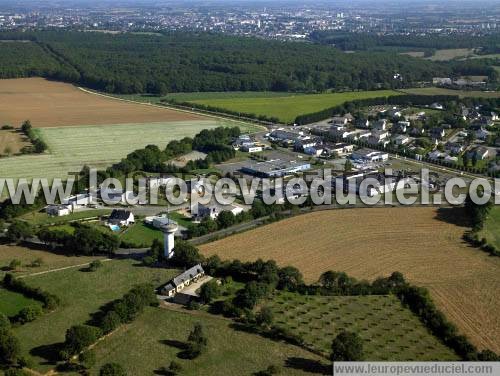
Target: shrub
(347,346)
(29,314)
(79,337)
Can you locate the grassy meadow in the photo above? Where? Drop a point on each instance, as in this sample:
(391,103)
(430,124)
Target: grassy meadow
(460,93)
(284,106)
(160,333)
(287,108)
(82,293)
(11,302)
(389,331)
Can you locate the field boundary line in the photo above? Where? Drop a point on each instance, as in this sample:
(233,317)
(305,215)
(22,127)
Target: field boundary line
(149,104)
(59,269)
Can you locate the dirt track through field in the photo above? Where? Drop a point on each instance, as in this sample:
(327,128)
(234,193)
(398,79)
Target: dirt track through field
(54,104)
(367,243)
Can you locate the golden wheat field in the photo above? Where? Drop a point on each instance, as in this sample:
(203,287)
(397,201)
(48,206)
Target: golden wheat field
(54,104)
(367,243)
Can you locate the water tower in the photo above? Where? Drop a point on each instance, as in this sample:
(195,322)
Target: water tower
(169,231)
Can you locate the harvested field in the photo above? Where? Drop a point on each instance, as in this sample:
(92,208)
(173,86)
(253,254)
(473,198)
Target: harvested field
(367,243)
(70,148)
(55,104)
(11,142)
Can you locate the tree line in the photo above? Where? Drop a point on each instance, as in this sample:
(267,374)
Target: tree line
(187,62)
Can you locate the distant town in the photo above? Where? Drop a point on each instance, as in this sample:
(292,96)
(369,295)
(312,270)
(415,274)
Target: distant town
(285,21)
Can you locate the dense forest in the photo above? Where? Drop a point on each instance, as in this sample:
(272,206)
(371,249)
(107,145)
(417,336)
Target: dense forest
(183,62)
(369,42)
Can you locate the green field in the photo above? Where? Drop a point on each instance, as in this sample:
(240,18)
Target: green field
(287,108)
(460,93)
(70,148)
(450,54)
(389,331)
(11,303)
(81,293)
(491,227)
(152,341)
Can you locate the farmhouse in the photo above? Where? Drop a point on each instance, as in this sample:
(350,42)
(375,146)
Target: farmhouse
(121,217)
(367,155)
(177,284)
(58,210)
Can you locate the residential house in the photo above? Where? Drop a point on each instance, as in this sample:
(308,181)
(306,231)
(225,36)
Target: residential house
(437,132)
(340,149)
(379,125)
(437,106)
(393,113)
(415,131)
(362,123)
(178,283)
(454,148)
(479,153)
(315,151)
(121,217)
(401,127)
(377,137)
(401,140)
(339,120)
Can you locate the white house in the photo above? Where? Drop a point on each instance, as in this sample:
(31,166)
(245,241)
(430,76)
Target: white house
(121,217)
(437,106)
(157,181)
(58,210)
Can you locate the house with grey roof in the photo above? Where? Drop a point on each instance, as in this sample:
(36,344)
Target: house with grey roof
(177,284)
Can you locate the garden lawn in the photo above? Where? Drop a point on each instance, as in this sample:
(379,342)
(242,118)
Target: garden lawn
(81,294)
(141,235)
(11,302)
(388,330)
(154,340)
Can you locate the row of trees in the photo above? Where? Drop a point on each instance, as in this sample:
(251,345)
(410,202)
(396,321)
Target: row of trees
(39,146)
(121,311)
